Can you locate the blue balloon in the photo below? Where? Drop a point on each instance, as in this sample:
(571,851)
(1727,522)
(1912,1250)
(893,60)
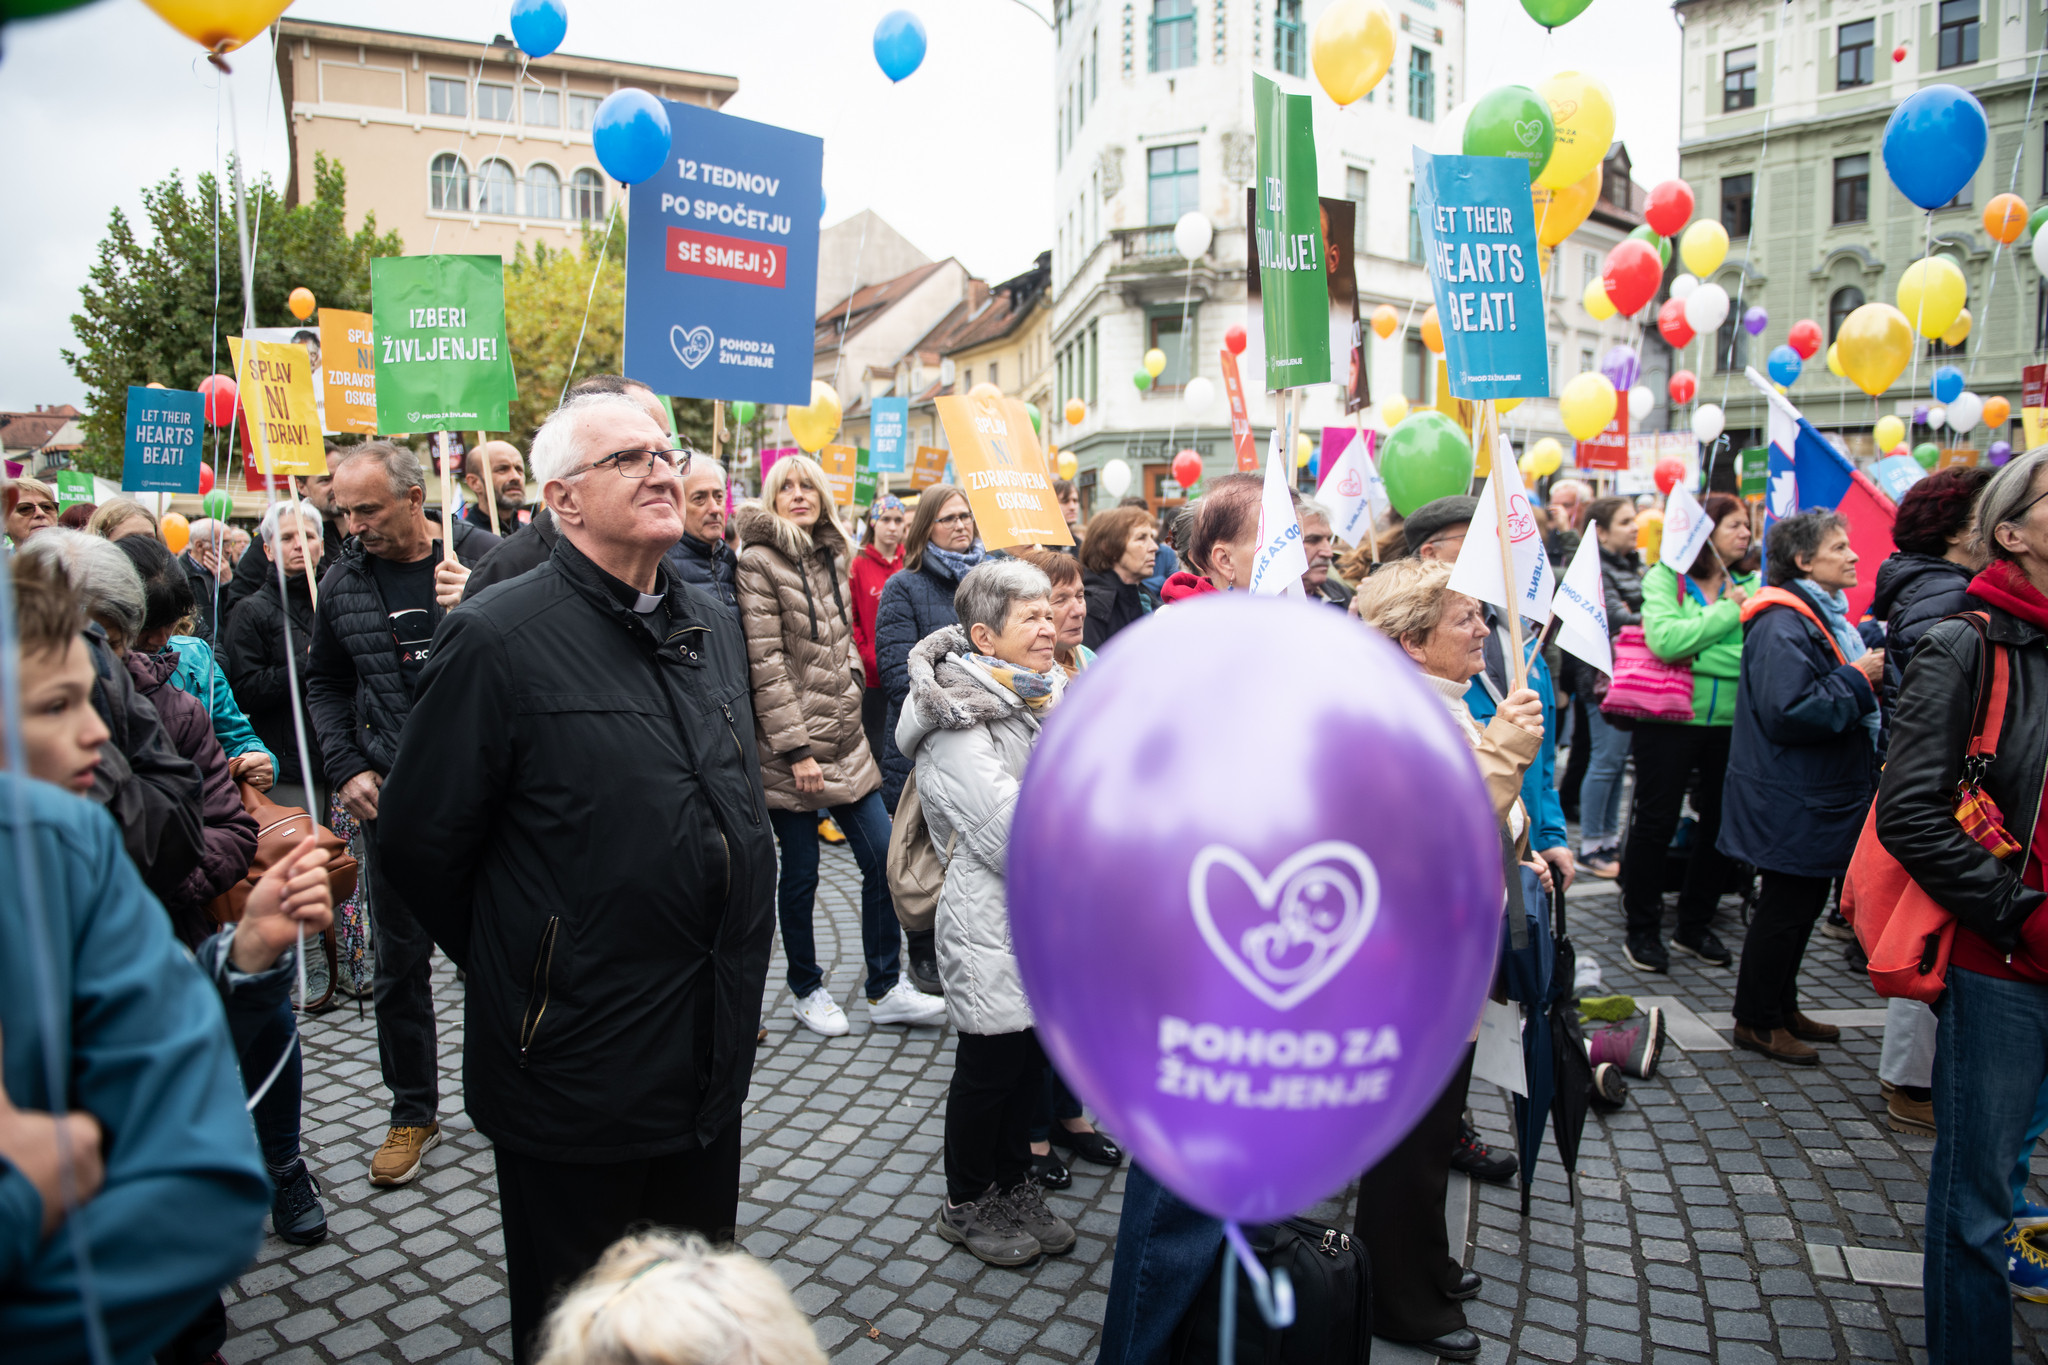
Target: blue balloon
(821,203)
(1785,366)
(899,44)
(538,25)
(1948,384)
(1933,143)
(631,135)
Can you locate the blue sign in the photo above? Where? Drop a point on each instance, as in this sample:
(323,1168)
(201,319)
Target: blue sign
(888,426)
(163,435)
(1479,241)
(722,261)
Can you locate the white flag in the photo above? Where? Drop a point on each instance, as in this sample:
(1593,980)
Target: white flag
(1581,605)
(1478,570)
(1356,496)
(1279,562)
(1686,528)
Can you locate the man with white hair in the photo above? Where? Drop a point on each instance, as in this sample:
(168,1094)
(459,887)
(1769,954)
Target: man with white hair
(1319,543)
(576,814)
(702,557)
(254,641)
(1569,500)
(209,562)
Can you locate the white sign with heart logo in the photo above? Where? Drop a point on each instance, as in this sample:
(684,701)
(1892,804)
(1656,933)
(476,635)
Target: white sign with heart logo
(1311,915)
(692,346)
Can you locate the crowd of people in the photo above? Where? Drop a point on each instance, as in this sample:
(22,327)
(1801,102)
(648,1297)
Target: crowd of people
(373,732)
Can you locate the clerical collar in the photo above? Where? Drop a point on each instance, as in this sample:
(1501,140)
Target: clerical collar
(630,597)
(645,602)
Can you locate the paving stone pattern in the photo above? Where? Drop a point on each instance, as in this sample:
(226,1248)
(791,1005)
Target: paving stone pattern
(1687,1243)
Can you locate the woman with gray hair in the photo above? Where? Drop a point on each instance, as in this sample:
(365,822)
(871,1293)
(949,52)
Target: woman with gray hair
(978,693)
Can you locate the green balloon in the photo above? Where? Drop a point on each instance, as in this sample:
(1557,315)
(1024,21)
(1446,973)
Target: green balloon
(1512,121)
(743,413)
(1427,456)
(1927,454)
(1037,419)
(1551,13)
(1663,244)
(1143,379)
(219,504)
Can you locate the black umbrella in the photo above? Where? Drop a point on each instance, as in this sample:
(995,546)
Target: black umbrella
(1539,977)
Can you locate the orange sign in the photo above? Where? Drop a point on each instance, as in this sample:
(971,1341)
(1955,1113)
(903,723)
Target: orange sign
(348,357)
(1003,472)
(1960,456)
(839,464)
(1240,419)
(928,467)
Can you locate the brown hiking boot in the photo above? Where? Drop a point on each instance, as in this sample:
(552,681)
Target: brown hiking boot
(398,1161)
(1778,1044)
(1904,1114)
(1812,1030)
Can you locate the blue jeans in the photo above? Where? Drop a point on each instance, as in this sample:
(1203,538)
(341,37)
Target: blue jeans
(1165,1249)
(1990,1059)
(865,824)
(1600,794)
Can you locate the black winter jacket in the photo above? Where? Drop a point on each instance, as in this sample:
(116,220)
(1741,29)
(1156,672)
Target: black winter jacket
(152,791)
(253,644)
(254,567)
(712,567)
(578,821)
(1112,605)
(1622,577)
(203,594)
(525,550)
(915,602)
(1913,592)
(1931,725)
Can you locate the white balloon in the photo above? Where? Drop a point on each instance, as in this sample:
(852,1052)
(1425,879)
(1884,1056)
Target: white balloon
(1192,234)
(1937,416)
(1965,412)
(1116,477)
(1640,402)
(1707,309)
(1683,285)
(1709,421)
(1199,390)
(2041,252)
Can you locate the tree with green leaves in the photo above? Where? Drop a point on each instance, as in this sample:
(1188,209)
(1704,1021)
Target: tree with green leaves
(160,311)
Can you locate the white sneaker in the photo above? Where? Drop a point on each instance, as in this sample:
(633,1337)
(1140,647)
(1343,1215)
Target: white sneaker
(820,1013)
(906,1004)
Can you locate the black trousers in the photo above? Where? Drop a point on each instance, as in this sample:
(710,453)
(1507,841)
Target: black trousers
(1666,757)
(874,714)
(1767,987)
(998,1080)
(1581,755)
(561,1215)
(402,993)
(1401,1222)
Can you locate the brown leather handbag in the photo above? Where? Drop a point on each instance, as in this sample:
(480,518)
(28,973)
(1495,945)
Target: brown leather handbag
(280,829)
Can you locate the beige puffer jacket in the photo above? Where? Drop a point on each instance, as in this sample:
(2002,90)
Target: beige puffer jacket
(796,607)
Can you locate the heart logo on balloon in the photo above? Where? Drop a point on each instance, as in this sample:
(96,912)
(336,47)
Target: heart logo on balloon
(1528,132)
(1562,110)
(691,347)
(1351,486)
(1297,928)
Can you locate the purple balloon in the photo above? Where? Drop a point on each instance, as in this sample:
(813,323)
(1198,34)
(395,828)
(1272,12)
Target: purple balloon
(1755,320)
(1621,368)
(1254,951)
(1920,415)
(2000,452)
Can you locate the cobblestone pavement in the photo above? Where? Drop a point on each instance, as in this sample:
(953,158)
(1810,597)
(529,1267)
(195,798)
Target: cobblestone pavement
(1734,1212)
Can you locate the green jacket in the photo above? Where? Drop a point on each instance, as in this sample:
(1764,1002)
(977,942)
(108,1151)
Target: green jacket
(1680,629)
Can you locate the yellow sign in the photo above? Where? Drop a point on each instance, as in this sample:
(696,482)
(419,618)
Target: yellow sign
(839,464)
(275,379)
(1002,470)
(348,356)
(928,468)
(1955,457)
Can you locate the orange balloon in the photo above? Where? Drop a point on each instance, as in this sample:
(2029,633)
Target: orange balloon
(1559,212)
(2005,218)
(301,303)
(1077,412)
(1996,411)
(1432,331)
(1384,321)
(177,532)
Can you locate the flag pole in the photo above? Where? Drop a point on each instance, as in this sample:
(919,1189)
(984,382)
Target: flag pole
(1489,420)
(442,439)
(1372,530)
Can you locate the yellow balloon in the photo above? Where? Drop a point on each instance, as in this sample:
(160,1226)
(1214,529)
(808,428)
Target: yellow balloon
(1527,464)
(1583,111)
(1596,301)
(1068,466)
(1384,321)
(1587,405)
(1351,48)
(1932,293)
(1957,330)
(817,424)
(219,25)
(1876,343)
(1392,410)
(1559,212)
(1835,361)
(1890,433)
(1546,457)
(1155,362)
(1703,247)
(1506,404)
(1304,450)
(1650,533)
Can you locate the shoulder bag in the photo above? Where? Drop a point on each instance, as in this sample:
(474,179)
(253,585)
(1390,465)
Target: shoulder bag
(1645,687)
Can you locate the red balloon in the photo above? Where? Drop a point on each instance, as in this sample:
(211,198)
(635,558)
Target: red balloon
(1671,322)
(1899,54)
(205,479)
(1234,338)
(1634,270)
(1670,208)
(1668,472)
(1683,387)
(1187,469)
(219,392)
(1805,338)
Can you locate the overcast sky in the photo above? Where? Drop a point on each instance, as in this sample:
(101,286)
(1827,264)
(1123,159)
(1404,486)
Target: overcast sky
(103,101)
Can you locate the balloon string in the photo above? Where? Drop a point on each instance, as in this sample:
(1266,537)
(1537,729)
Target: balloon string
(462,143)
(1920,310)
(570,376)
(1742,280)
(1272,1290)
(2011,185)
(846,321)
(1187,355)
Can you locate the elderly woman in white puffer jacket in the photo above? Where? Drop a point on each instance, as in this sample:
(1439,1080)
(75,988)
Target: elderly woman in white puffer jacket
(978,692)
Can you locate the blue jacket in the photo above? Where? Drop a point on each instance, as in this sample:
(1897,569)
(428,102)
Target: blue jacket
(200,675)
(145,1050)
(1539,784)
(915,602)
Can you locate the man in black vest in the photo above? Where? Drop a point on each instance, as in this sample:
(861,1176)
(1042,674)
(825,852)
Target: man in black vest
(379,605)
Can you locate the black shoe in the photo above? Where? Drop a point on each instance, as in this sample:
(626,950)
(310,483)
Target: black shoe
(1481,1162)
(922,960)
(1608,1090)
(1468,1286)
(295,1212)
(1462,1344)
(1645,952)
(1703,944)
(1050,1172)
(1091,1147)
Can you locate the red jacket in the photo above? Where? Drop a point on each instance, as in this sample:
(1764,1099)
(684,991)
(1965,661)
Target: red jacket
(870,572)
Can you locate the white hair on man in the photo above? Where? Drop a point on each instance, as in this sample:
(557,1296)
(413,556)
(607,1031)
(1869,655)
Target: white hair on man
(700,463)
(267,528)
(554,454)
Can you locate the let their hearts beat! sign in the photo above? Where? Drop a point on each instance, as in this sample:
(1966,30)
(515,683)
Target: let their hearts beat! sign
(442,362)
(1479,242)
(276,383)
(162,452)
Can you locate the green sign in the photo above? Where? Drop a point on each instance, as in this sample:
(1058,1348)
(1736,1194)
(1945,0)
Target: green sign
(1293,275)
(1755,464)
(442,362)
(864,481)
(72,486)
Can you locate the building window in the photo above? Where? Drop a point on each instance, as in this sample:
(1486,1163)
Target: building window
(1421,85)
(496,188)
(2040,314)
(543,109)
(1165,332)
(583,112)
(1288,47)
(1173,186)
(993,367)
(1856,54)
(543,192)
(1414,229)
(1589,269)
(1356,185)
(494,102)
(1173,34)
(1841,303)
(1738,79)
(450,183)
(1415,371)
(1738,197)
(1556,379)
(448,98)
(1094,65)
(1585,359)
(586,192)
(1852,188)
(1958,32)
(1965,196)
(1731,345)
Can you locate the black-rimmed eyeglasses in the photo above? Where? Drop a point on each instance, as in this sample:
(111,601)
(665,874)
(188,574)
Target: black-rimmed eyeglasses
(638,464)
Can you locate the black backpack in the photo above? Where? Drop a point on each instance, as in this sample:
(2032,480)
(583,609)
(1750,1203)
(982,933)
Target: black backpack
(1332,1302)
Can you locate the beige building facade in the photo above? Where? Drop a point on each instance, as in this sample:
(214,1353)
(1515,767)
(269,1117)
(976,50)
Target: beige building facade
(450,144)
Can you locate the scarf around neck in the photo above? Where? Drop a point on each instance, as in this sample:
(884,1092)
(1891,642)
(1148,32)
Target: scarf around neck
(1038,691)
(2004,586)
(956,564)
(1834,609)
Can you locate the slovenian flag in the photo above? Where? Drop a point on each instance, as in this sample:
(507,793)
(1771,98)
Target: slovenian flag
(1807,473)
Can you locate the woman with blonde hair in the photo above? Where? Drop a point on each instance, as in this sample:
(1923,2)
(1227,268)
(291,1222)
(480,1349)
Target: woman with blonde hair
(658,1299)
(796,607)
(119,517)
